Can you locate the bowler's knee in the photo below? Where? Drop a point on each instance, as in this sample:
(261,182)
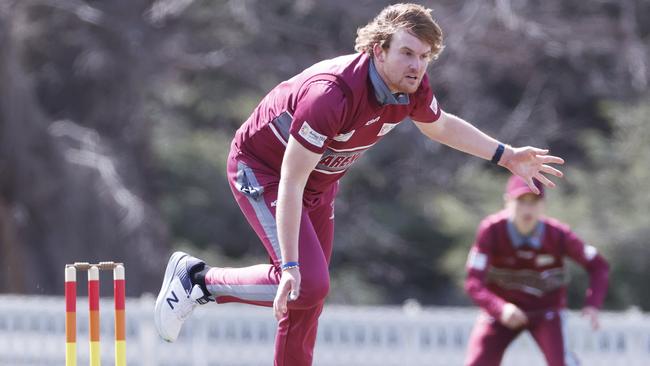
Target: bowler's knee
(313,291)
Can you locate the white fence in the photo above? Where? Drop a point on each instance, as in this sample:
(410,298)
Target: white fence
(32,333)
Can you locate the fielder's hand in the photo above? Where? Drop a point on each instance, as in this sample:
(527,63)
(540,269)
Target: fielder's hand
(530,162)
(592,314)
(288,290)
(512,317)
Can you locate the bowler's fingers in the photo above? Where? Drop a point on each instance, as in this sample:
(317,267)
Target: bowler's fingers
(295,287)
(293,295)
(552,171)
(550,159)
(295,292)
(531,184)
(280,301)
(545,181)
(539,151)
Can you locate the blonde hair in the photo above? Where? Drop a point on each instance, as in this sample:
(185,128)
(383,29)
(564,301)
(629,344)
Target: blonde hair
(416,19)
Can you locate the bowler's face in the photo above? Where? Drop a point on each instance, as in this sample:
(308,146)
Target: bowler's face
(403,64)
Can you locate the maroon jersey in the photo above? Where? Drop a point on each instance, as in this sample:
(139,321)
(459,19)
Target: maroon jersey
(504,266)
(338,108)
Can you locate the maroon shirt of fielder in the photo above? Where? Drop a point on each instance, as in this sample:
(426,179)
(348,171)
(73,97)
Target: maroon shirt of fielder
(505,266)
(501,269)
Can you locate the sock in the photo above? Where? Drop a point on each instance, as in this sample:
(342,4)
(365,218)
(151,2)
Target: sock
(197,274)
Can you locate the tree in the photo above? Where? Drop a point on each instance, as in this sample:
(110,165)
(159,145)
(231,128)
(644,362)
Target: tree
(72,141)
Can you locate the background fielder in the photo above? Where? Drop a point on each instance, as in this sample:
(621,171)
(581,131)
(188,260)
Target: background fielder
(516,274)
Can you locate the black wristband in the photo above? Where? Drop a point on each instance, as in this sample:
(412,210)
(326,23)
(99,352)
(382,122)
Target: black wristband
(498,153)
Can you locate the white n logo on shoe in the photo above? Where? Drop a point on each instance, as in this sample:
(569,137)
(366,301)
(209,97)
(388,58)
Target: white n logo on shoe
(172,299)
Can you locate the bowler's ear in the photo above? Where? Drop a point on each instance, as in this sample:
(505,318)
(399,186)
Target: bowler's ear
(378,52)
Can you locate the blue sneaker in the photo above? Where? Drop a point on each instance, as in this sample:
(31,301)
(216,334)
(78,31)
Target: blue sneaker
(178,296)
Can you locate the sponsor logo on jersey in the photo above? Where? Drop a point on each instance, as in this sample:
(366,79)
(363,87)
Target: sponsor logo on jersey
(373,120)
(344,136)
(337,161)
(311,136)
(477,260)
(386,128)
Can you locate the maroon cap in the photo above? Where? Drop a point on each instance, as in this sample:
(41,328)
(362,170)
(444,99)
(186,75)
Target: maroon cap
(517,187)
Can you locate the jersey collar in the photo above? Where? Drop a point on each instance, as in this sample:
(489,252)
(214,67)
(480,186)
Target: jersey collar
(382,93)
(518,240)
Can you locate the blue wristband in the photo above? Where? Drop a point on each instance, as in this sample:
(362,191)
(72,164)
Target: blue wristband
(290,265)
(497,154)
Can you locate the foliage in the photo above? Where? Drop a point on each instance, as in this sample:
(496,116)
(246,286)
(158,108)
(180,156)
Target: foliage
(603,199)
(607,202)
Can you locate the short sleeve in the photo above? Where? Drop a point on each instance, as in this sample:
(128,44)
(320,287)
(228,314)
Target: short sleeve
(426,108)
(319,114)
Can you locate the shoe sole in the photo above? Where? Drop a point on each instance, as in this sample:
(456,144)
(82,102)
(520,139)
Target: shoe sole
(160,300)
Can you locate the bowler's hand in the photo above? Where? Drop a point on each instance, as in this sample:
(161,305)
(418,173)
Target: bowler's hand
(592,314)
(288,290)
(530,162)
(512,317)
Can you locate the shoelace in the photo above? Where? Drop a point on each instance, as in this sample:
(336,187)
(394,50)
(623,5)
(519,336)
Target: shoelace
(204,300)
